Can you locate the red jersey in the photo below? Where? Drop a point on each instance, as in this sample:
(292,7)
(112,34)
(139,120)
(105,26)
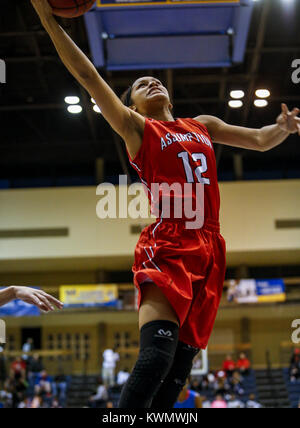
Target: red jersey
(243,363)
(228,365)
(18,366)
(179,151)
(187,265)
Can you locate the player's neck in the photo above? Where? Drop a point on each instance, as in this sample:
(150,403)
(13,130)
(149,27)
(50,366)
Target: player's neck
(164,115)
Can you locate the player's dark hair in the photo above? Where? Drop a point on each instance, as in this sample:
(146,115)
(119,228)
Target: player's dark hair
(126,97)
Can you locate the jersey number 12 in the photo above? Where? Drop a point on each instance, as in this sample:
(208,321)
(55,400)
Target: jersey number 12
(198,171)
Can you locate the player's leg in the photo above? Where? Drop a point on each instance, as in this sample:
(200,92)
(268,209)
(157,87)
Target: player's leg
(159,329)
(169,391)
(197,326)
(155,306)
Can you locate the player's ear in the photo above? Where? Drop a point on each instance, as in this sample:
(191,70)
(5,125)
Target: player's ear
(170,107)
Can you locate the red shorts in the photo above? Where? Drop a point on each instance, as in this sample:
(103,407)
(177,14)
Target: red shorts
(189,268)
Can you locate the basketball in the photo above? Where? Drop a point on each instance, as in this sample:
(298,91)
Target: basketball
(71,8)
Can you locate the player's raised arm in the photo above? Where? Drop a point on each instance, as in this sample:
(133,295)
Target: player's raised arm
(262,139)
(122,119)
(36,297)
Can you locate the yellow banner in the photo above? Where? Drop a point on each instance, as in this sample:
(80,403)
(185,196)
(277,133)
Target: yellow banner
(88,294)
(272,298)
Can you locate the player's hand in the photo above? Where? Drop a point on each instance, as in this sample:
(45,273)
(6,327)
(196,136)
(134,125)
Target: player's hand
(288,120)
(42,8)
(39,298)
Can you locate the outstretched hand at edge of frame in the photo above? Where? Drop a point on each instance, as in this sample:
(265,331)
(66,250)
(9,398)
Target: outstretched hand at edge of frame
(39,298)
(289,121)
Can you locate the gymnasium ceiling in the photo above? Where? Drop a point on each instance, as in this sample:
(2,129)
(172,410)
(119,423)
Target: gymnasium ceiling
(42,144)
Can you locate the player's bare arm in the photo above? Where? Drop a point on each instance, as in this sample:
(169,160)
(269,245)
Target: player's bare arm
(262,139)
(39,298)
(126,122)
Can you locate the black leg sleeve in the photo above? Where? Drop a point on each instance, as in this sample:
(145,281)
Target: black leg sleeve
(168,393)
(158,344)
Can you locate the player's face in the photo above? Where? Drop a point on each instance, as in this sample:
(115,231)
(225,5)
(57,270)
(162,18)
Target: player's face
(149,92)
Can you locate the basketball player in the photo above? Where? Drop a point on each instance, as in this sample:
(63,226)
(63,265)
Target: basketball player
(188,399)
(30,295)
(179,272)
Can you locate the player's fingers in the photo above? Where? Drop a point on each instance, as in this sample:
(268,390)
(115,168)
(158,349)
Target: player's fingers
(34,300)
(52,300)
(284,108)
(47,304)
(295,111)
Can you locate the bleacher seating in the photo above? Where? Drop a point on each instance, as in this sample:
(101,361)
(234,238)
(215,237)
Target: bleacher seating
(270,388)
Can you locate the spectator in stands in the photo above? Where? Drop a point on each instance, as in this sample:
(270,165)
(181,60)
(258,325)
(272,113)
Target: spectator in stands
(222,386)
(27,347)
(296,353)
(5,398)
(206,404)
(208,382)
(37,401)
(109,405)
(236,383)
(122,376)
(25,404)
(295,369)
(235,403)
(229,365)
(34,368)
(55,404)
(110,358)
(18,387)
(243,364)
(59,389)
(18,367)
(43,390)
(219,403)
(100,398)
(252,403)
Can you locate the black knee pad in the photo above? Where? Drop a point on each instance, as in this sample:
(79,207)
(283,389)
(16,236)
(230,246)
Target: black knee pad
(183,363)
(157,350)
(176,378)
(150,370)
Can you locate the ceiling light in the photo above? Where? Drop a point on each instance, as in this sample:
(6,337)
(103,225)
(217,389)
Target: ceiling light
(261,103)
(235,104)
(74,109)
(237,94)
(72,100)
(262,93)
